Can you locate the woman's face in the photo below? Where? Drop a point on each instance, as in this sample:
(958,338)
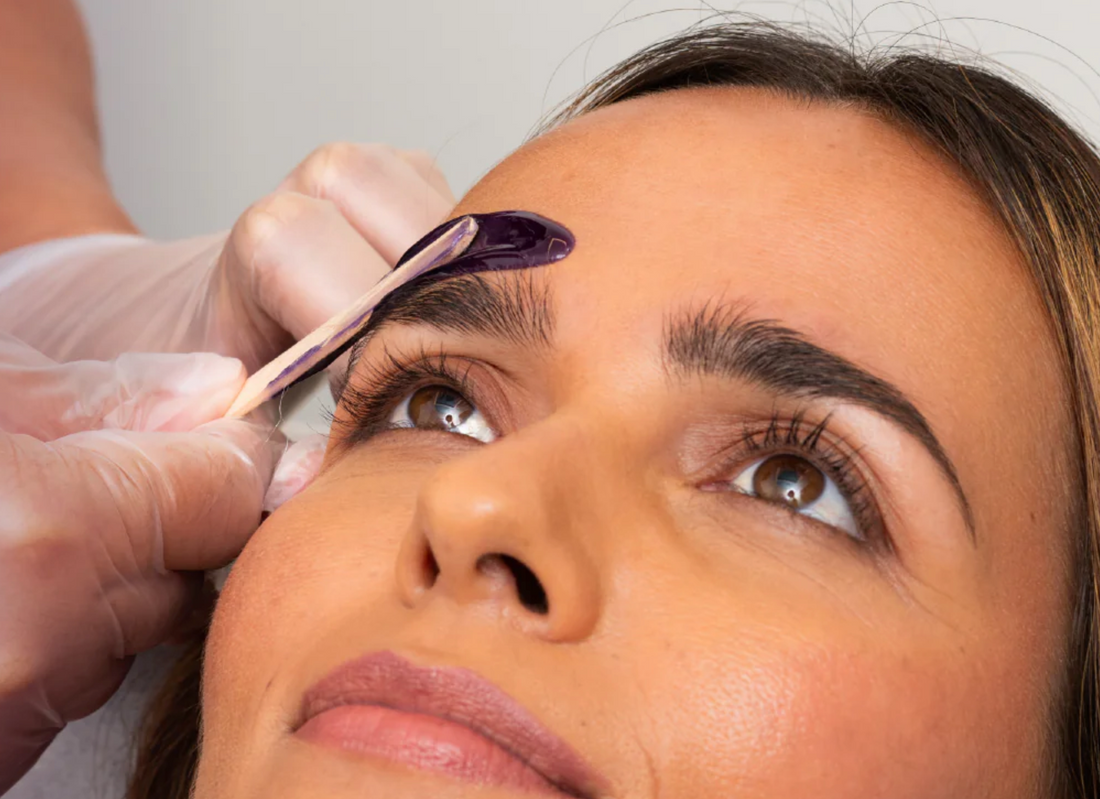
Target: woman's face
(761,492)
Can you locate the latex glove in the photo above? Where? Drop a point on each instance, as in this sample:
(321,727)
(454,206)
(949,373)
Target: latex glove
(330,231)
(116,490)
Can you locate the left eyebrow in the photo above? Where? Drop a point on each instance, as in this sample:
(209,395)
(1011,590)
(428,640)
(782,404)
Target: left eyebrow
(718,340)
(517,308)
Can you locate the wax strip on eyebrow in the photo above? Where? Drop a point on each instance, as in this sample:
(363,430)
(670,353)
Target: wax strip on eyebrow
(472,243)
(504,240)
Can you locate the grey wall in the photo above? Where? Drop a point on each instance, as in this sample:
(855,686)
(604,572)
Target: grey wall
(207,103)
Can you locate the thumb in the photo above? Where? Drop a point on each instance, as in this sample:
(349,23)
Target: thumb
(177,501)
(172,393)
(93,530)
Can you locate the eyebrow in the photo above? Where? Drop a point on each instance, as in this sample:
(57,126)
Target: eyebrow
(716,340)
(517,309)
(720,340)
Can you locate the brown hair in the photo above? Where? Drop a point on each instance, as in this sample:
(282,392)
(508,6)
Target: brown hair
(168,744)
(1038,176)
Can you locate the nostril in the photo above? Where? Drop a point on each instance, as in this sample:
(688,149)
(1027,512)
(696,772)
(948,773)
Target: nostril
(429,568)
(530,590)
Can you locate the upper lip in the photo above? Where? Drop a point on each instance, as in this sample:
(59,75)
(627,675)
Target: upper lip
(460,696)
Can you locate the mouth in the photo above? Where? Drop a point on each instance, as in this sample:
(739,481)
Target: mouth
(448,721)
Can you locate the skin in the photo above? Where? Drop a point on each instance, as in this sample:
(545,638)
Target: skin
(700,643)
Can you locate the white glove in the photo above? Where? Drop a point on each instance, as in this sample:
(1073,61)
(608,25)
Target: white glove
(119,485)
(330,231)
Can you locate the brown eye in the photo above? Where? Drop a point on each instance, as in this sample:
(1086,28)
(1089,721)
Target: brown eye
(796,483)
(789,480)
(438,408)
(442,408)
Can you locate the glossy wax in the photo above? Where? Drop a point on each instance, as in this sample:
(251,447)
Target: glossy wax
(504,240)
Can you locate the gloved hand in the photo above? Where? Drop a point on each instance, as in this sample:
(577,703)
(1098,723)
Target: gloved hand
(119,484)
(329,232)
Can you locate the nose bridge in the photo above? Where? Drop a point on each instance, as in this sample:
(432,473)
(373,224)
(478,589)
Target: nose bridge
(562,457)
(500,523)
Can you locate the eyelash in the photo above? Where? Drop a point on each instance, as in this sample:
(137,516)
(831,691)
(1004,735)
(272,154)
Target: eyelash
(368,410)
(788,437)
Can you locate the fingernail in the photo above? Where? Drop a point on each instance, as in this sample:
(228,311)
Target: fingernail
(251,441)
(296,470)
(203,389)
(174,392)
(210,376)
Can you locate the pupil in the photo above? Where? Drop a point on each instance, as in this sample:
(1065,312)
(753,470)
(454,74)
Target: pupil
(789,480)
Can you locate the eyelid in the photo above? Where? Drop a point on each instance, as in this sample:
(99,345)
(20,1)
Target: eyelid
(821,447)
(382,382)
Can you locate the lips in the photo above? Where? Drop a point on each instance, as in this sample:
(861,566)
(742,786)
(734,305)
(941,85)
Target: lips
(444,720)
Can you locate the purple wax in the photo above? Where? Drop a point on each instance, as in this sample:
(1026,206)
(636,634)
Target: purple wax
(504,240)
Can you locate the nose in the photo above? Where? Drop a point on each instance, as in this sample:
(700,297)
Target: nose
(499,528)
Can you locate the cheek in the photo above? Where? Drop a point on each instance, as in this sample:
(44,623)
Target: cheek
(325,554)
(799,711)
(773,673)
(753,682)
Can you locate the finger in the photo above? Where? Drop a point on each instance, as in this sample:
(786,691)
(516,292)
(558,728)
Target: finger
(164,501)
(82,583)
(383,196)
(151,610)
(147,392)
(297,467)
(15,352)
(122,618)
(299,261)
(428,168)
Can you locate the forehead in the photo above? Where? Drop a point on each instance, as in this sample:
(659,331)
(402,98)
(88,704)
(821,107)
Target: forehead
(769,197)
(824,217)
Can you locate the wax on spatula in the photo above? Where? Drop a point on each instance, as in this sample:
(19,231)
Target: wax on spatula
(330,340)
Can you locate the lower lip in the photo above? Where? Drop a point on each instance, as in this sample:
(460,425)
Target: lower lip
(427,743)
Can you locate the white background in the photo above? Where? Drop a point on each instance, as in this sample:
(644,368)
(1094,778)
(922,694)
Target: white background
(206,104)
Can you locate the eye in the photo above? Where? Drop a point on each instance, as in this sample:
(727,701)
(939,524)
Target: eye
(441,408)
(798,484)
